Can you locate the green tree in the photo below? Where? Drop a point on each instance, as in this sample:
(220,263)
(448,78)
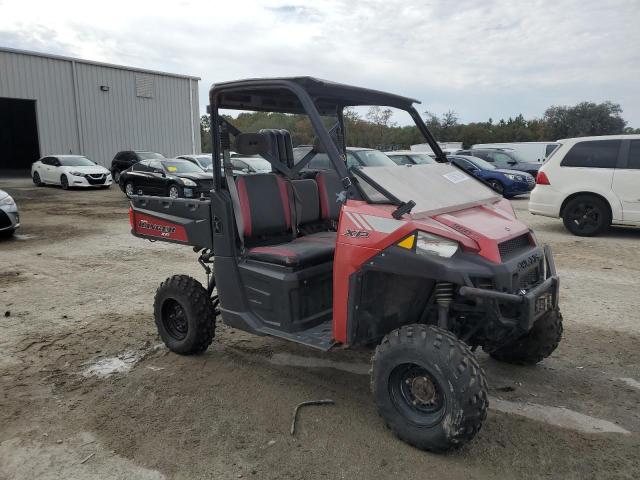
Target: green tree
(205,133)
(584,119)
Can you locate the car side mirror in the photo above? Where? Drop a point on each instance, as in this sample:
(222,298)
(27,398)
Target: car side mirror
(157,170)
(245,170)
(512,162)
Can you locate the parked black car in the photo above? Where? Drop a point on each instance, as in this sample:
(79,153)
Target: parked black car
(503,158)
(126,158)
(173,178)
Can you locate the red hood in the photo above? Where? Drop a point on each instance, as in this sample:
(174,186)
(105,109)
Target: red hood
(487,225)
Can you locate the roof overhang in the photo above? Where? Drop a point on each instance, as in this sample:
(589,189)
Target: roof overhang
(278,95)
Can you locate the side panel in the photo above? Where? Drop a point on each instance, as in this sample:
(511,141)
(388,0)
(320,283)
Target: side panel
(172,220)
(363,232)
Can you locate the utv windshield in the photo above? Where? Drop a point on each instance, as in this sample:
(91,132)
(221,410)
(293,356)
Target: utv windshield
(480,163)
(436,188)
(373,158)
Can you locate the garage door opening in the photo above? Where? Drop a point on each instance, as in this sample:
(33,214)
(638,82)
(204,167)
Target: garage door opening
(18,135)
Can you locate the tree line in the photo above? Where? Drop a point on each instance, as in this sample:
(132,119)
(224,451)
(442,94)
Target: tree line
(377,128)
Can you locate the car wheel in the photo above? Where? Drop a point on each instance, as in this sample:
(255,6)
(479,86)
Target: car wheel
(129,189)
(116,176)
(174,191)
(586,216)
(497,186)
(36,179)
(64,182)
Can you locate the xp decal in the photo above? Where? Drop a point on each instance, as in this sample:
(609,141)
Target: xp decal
(356,233)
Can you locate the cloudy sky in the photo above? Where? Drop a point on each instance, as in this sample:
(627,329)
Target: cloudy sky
(480,58)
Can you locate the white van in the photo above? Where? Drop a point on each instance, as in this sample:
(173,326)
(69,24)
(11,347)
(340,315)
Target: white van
(529,151)
(446,147)
(591,183)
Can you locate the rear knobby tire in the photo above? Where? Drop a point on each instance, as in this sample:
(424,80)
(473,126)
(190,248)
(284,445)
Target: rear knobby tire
(538,344)
(429,387)
(184,315)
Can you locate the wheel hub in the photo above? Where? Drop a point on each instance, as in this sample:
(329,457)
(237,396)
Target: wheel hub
(423,390)
(175,319)
(417,394)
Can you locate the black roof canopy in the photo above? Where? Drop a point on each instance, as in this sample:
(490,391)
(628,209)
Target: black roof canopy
(277,95)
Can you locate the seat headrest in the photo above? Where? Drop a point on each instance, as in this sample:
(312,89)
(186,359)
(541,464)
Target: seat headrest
(252,144)
(281,148)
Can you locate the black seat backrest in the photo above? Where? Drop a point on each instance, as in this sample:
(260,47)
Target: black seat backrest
(264,204)
(281,147)
(307,201)
(332,194)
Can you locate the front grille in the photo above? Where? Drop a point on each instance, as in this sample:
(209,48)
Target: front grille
(95,179)
(530,279)
(513,247)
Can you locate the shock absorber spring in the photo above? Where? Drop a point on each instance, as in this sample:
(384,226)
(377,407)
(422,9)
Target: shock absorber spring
(444,297)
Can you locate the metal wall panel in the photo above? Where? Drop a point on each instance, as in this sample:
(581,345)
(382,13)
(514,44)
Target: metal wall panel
(76,116)
(50,83)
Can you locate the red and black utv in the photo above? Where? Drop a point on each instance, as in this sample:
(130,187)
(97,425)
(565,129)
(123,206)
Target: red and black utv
(422,262)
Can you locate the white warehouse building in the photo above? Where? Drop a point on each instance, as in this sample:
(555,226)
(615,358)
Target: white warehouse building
(58,105)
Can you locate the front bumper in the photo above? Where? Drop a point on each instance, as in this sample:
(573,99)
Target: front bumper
(9,218)
(517,188)
(532,303)
(90,180)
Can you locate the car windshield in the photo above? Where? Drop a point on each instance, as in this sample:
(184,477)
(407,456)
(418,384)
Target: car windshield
(480,163)
(149,155)
(181,166)
(259,164)
(373,158)
(75,162)
(516,156)
(204,160)
(421,159)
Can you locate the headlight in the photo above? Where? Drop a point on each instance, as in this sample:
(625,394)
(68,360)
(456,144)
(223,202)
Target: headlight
(8,200)
(188,183)
(76,174)
(430,244)
(513,177)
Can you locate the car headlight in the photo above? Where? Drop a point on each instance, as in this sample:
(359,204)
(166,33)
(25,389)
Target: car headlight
(8,200)
(510,176)
(188,183)
(76,174)
(430,244)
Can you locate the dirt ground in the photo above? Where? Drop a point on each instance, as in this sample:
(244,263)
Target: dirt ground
(87,391)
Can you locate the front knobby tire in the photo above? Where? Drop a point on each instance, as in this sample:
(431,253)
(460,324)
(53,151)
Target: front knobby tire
(538,344)
(184,315)
(429,387)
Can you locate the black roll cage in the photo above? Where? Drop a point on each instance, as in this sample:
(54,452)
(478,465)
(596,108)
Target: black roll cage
(349,96)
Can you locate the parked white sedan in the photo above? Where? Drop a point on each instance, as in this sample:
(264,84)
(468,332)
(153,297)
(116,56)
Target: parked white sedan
(70,171)
(9,216)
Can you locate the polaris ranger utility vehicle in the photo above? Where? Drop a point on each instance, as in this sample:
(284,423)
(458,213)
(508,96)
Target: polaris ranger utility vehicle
(422,262)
